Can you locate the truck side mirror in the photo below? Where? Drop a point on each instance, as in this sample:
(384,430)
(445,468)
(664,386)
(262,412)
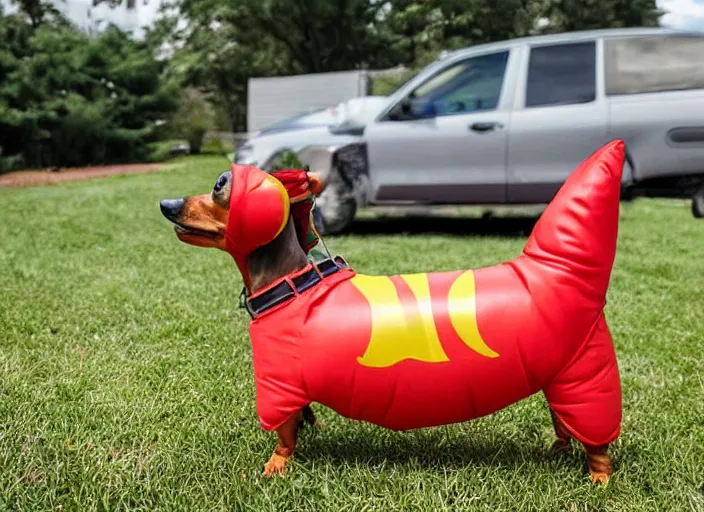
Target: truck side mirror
(418,109)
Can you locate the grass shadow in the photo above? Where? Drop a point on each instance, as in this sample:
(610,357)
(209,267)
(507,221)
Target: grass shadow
(432,450)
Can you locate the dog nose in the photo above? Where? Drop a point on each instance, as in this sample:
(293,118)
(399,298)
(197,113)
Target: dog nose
(170,208)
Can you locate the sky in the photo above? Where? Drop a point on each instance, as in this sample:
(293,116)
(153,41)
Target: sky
(684,14)
(144,13)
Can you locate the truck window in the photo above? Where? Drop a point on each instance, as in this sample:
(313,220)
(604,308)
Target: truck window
(471,85)
(654,64)
(561,74)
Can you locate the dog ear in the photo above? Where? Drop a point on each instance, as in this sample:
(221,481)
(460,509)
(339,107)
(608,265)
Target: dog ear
(316,184)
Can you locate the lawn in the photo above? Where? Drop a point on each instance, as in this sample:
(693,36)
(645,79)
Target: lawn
(126,374)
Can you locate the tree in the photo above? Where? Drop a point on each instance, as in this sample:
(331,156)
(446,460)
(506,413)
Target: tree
(70,98)
(130,4)
(570,15)
(323,35)
(193,119)
(67,99)
(217,54)
(38,11)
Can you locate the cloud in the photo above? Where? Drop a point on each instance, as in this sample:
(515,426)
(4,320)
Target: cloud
(683,14)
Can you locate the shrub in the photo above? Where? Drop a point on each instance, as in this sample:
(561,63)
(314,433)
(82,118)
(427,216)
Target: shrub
(285,159)
(213,146)
(68,99)
(194,118)
(161,150)
(386,84)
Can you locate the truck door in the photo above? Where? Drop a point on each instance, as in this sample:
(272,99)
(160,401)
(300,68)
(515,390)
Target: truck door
(446,140)
(561,118)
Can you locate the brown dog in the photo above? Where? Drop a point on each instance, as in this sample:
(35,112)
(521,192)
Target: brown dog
(203,221)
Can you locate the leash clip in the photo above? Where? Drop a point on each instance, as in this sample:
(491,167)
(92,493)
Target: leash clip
(243,299)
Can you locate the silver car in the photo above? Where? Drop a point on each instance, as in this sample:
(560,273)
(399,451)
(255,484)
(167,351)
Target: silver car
(319,126)
(505,123)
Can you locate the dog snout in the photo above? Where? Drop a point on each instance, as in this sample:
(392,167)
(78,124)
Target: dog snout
(171,208)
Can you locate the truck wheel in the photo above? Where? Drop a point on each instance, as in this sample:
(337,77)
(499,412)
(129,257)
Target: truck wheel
(335,208)
(698,204)
(333,217)
(628,194)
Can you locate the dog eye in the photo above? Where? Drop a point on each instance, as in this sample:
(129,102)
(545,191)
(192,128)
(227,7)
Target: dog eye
(222,181)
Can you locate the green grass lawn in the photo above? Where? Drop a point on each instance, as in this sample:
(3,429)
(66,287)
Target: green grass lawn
(126,375)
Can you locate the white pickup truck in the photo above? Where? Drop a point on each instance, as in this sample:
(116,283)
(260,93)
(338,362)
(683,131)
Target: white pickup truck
(505,123)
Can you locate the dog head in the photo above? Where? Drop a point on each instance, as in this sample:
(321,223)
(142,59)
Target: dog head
(247,209)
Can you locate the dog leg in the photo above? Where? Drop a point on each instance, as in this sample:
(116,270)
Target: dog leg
(598,459)
(563,442)
(288,432)
(585,398)
(308,417)
(599,463)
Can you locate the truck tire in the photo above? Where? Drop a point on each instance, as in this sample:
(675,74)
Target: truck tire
(698,204)
(335,208)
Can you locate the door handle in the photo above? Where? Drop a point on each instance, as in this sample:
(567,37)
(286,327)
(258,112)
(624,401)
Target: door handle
(485,127)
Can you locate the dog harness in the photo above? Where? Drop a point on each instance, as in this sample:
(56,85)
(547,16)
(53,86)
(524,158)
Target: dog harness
(421,350)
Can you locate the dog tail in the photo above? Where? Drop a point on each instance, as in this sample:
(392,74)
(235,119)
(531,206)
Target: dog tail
(577,232)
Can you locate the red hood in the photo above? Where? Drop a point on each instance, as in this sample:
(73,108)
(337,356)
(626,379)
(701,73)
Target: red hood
(259,211)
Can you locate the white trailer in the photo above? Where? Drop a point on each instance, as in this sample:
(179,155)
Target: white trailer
(272,99)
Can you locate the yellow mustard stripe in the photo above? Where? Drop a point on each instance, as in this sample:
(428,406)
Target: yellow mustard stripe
(395,335)
(420,286)
(270,180)
(462,308)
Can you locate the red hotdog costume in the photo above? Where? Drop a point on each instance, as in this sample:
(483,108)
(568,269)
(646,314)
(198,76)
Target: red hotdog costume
(421,350)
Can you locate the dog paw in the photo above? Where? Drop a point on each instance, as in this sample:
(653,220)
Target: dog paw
(600,478)
(275,466)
